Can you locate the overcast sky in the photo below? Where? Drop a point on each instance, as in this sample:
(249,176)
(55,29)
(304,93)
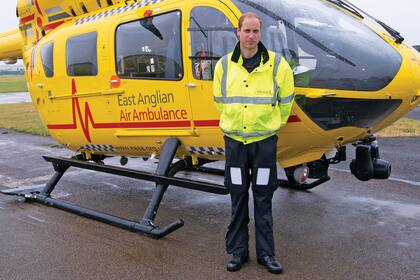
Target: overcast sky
(402,15)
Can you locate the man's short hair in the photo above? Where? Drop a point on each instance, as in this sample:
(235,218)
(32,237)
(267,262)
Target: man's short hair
(248,15)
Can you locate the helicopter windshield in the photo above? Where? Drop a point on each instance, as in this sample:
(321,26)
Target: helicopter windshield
(327,47)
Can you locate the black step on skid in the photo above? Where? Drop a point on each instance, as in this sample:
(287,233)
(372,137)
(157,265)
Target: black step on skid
(163,178)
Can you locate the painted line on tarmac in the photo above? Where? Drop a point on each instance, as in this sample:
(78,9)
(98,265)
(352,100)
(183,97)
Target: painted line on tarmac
(59,194)
(6,143)
(35,218)
(410,182)
(417,184)
(113,186)
(11,182)
(28,187)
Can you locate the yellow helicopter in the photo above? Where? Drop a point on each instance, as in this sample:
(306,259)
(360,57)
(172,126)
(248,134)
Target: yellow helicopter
(134,79)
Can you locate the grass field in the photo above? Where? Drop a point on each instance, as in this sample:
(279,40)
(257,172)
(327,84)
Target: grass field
(403,127)
(13,84)
(21,117)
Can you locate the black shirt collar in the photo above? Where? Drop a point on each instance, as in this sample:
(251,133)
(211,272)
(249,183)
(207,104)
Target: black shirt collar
(261,49)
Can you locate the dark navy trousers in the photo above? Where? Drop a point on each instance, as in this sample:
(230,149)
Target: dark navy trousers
(254,164)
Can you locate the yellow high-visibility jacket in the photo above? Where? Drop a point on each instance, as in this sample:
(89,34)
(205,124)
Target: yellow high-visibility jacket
(254,105)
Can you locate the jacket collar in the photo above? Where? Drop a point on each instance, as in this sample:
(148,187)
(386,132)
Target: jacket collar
(261,48)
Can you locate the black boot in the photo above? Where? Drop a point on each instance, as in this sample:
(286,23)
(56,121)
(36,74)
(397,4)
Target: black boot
(236,262)
(271,264)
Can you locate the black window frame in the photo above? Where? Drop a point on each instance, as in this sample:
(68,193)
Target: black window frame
(96,49)
(151,78)
(52,58)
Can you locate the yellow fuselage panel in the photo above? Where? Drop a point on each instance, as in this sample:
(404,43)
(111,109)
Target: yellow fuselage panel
(11,45)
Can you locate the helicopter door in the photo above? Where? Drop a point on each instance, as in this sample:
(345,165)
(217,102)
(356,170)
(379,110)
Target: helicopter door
(149,64)
(211,35)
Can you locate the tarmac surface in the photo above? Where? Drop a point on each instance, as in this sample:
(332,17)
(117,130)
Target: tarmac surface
(414,114)
(16,97)
(343,229)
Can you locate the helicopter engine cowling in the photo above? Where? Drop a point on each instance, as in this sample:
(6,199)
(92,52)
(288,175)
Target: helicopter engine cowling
(367,164)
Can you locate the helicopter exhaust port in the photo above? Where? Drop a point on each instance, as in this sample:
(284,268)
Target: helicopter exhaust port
(367,164)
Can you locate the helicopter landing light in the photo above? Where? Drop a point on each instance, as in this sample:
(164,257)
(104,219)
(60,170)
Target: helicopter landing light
(301,174)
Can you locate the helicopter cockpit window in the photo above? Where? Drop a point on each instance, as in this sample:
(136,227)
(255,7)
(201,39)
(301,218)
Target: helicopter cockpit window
(327,47)
(212,36)
(150,48)
(47,58)
(81,55)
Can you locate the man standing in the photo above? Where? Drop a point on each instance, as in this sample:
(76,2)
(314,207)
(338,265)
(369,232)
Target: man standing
(253,90)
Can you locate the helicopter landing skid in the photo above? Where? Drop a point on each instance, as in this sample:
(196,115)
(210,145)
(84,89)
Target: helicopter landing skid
(281,183)
(302,187)
(163,178)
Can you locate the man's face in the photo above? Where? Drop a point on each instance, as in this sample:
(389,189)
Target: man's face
(249,34)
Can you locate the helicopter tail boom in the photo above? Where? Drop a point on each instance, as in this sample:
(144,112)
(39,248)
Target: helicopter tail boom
(10,45)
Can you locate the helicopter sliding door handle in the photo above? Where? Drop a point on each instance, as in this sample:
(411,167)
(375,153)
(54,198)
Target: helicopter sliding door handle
(328,94)
(40,85)
(190,85)
(320,94)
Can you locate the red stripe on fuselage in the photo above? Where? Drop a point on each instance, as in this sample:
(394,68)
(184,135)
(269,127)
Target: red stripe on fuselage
(37,7)
(206,123)
(26,19)
(54,25)
(292,119)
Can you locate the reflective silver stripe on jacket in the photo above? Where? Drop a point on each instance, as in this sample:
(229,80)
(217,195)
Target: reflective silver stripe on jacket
(246,100)
(287,99)
(275,71)
(249,135)
(224,77)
